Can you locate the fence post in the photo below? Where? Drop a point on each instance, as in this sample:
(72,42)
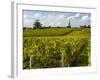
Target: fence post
(62,60)
(30,62)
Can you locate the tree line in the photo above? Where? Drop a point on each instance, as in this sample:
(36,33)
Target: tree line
(37,25)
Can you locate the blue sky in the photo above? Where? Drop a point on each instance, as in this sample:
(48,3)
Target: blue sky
(54,19)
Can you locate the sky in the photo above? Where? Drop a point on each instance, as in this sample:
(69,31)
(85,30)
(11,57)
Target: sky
(55,19)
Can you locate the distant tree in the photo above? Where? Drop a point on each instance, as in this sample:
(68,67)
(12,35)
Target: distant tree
(24,28)
(81,26)
(85,26)
(49,26)
(37,24)
(58,26)
(89,26)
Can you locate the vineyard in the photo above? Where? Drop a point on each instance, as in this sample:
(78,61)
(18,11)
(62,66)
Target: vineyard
(56,47)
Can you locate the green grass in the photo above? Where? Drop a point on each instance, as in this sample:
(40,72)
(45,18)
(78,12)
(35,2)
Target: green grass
(48,32)
(57,32)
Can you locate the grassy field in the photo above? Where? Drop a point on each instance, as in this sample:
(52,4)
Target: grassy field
(54,32)
(56,47)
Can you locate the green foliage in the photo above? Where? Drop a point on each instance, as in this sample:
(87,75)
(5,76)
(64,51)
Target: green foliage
(37,24)
(47,53)
(57,51)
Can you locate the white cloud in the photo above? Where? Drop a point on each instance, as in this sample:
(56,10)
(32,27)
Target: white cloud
(75,16)
(28,23)
(84,18)
(56,19)
(52,20)
(37,15)
(32,16)
(25,16)
(71,17)
(60,16)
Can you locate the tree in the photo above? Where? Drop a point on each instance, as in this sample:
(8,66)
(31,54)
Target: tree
(89,26)
(37,24)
